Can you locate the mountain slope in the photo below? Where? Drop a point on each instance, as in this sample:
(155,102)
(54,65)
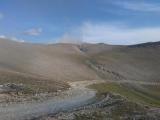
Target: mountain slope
(64,62)
(47,68)
(132,71)
(139,63)
(61,62)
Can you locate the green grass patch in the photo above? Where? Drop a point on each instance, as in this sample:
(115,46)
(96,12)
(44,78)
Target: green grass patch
(129,93)
(92,116)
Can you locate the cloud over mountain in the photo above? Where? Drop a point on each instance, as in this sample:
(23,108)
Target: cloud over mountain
(33,32)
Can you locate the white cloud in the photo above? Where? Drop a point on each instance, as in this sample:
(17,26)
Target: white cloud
(1,16)
(11,38)
(116,34)
(69,38)
(33,32)
(139,6)
(2,36)
(16,39)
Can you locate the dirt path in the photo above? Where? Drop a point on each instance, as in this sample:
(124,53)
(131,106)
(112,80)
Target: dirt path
(78,95)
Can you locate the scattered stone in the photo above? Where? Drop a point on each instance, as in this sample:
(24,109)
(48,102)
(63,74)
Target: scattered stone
(11,88)
(110,107)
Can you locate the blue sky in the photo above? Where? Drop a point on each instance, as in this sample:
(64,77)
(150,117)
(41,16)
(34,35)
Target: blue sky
(94,21)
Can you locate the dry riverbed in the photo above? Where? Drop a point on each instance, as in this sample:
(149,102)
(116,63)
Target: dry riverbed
(78,95)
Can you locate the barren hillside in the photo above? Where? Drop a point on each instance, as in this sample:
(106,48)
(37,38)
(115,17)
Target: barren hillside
(64,62)
(137,62)
(60,62)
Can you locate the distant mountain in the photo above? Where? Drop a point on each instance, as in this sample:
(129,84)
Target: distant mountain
(71,62)
(136,63)
(148,44)
(60,62)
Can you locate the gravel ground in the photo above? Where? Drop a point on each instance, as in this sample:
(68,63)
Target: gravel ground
(78,95)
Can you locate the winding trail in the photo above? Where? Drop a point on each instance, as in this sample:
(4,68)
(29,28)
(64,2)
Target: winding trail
(78,95)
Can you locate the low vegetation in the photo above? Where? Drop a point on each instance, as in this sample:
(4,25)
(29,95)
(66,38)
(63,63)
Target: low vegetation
(110,107)
(122,111)
(129,93)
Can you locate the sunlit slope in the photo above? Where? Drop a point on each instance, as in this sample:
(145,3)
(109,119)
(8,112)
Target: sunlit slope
(83,62)
(59,61)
